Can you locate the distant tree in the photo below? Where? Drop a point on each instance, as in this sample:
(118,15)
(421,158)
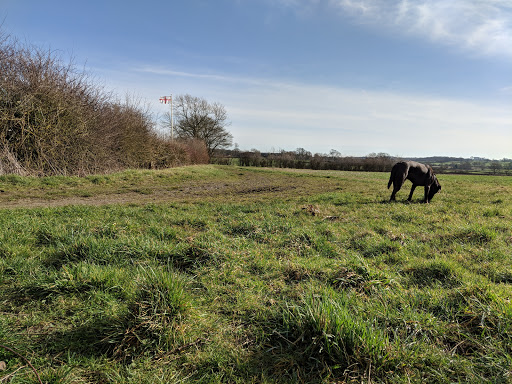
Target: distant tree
(465,165)
(378,162)
(302,154)
(334,153)
(495,166)
(197,118)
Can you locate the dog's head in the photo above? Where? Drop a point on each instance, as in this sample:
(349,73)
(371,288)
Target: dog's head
(434,187)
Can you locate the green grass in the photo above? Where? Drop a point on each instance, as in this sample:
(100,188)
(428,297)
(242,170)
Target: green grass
(262,276)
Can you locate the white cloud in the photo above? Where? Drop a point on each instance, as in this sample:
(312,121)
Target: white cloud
(359,122)
(480,26)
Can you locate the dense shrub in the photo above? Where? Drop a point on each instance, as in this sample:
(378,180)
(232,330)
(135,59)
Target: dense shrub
(178,152)
(55,120)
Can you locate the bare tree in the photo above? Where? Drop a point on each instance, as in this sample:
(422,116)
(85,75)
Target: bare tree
(199,119)
(334,153)
(495,166)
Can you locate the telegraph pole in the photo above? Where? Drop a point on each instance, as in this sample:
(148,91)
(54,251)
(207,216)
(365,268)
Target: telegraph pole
(168,100)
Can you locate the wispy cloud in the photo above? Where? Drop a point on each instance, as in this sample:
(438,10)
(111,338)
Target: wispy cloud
(271,114)
(478,26)
(170,72)
(230,79)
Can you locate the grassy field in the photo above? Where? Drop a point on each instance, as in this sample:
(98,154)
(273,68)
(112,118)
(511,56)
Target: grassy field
(212,274)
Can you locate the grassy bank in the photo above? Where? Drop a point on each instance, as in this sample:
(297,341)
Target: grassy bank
(250,275)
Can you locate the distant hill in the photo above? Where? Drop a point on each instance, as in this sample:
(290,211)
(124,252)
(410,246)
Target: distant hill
(446,159)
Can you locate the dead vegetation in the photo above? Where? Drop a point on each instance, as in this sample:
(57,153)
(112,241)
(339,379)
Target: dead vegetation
(55,120)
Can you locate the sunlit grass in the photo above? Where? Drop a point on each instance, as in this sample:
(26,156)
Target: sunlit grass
(332,285)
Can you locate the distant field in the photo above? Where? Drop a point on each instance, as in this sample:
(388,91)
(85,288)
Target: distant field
(246,275)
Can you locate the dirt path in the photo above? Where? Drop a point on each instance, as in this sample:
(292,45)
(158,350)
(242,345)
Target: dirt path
(247,186)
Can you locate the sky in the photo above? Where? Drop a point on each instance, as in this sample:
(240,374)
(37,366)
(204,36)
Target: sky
(409,78)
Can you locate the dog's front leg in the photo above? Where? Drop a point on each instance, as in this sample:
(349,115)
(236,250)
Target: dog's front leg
(412,191)
(427,191)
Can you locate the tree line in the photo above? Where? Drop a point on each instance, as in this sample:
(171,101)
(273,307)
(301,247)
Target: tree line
(373,162)
(54,119)
(303,159)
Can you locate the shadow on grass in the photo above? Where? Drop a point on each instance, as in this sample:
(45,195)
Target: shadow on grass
(142,330)
(434,273)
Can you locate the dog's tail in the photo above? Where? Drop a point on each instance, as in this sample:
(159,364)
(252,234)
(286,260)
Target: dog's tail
(391,177)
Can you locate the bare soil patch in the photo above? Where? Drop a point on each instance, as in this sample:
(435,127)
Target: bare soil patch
(238,186)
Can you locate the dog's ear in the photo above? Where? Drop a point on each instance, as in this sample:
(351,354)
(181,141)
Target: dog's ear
(430,174)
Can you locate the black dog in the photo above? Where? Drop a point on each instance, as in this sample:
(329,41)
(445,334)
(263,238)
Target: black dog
(419,174)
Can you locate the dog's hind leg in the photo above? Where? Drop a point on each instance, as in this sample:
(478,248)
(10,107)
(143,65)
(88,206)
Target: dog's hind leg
(397,178)
(396,188)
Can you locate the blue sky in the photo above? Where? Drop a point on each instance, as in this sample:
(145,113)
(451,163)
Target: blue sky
(408,78)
